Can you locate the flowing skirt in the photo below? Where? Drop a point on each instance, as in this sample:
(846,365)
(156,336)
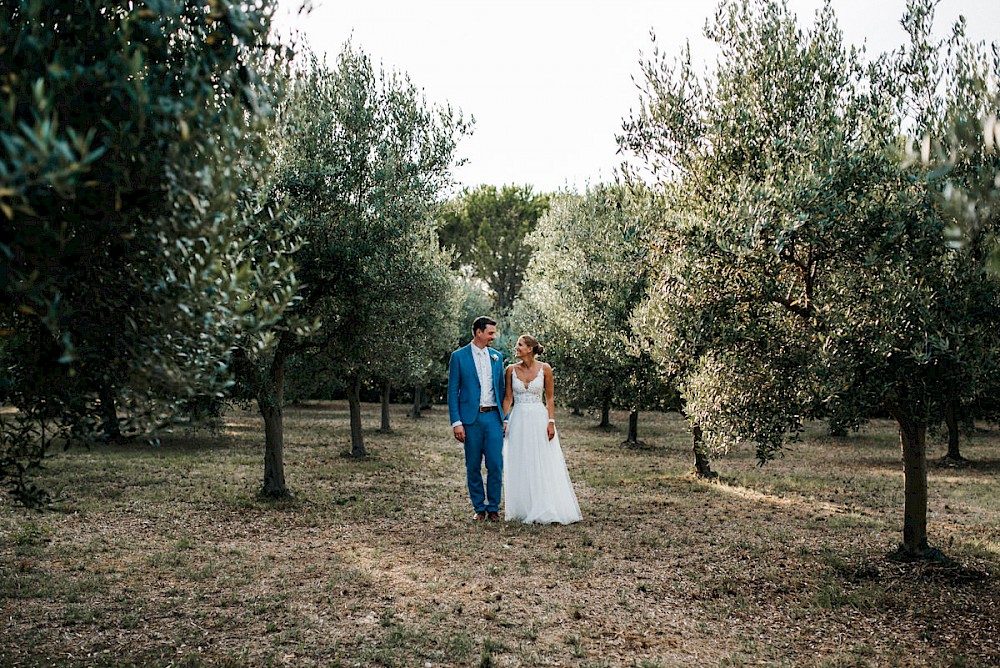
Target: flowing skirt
(537,488)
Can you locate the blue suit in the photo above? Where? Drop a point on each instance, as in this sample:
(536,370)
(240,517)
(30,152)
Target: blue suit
(483,431)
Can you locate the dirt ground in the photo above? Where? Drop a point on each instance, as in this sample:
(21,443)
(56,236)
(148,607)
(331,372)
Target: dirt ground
(164,555)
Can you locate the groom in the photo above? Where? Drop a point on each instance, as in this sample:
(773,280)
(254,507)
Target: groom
(475,391)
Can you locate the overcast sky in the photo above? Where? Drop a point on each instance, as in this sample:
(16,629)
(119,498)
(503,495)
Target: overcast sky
(549,81)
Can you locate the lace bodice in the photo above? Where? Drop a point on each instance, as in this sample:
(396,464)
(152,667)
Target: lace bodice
(534,393)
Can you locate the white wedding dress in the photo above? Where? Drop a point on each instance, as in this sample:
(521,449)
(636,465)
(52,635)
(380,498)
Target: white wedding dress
(536,484)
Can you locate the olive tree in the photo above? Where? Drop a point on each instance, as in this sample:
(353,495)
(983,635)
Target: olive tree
(803,266)
(431,317)
(958,139)
(587,275)
(362,163)
(130,172)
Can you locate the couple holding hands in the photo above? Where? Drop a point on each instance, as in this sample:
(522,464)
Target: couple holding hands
(506,417)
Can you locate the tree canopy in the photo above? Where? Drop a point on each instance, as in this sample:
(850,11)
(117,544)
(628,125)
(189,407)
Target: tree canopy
(803,265)
(588,273)
(488,228)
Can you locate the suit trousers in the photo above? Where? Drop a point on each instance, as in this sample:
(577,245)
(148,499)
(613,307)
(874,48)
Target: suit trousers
(484,442)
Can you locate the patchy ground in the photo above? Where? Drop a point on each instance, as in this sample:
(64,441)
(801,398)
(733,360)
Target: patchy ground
(163,555)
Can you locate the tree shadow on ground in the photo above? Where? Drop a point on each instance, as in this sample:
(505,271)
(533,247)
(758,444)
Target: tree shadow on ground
(605,428)
(978,465)
(950,572)
(143,446)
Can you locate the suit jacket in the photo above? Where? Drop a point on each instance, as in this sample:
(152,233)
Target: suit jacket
(463,384)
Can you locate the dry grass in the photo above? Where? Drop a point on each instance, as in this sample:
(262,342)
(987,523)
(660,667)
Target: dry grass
(164,556)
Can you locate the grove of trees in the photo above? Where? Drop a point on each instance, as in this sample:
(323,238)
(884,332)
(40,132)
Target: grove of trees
(188,205)
(588,274)
(194,213)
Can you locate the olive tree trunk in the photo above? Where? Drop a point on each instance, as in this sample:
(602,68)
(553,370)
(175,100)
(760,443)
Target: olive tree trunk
(913,443)
(633,429)
(605,412)
(386,390)
(354,401)
(271,402)
(415,409)
(702,465)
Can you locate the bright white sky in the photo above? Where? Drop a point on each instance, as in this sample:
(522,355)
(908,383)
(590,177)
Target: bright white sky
(550,81)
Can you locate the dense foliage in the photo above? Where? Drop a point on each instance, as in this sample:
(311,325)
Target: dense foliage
(588,273)
(129,179)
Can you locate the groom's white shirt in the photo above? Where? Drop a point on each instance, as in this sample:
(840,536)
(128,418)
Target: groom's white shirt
(484,369)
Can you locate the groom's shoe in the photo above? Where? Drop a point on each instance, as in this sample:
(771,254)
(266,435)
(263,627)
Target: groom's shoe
(480,516)
(494,516)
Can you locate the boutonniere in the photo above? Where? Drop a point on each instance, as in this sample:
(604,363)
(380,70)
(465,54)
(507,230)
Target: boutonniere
(494,357)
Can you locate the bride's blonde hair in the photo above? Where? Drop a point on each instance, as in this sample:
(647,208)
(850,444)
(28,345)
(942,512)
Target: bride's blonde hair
(530,341)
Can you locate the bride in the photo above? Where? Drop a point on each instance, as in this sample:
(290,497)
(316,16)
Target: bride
(537,487)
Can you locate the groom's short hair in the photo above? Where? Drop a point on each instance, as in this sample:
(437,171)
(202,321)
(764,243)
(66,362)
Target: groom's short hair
(480,323)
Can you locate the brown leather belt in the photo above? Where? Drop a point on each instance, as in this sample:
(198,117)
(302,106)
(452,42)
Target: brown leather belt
(487,409)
